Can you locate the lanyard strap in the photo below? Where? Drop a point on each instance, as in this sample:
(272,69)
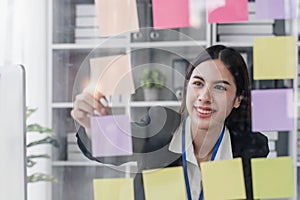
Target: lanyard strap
(184,163)
(186,178)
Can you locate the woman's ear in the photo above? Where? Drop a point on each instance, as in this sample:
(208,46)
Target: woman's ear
(237,101)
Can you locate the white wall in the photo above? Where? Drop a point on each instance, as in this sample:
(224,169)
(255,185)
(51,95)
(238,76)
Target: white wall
(35,62)
(23,39)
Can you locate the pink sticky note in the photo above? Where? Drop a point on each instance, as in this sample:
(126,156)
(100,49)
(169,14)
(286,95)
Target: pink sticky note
(226,11)
(111,136)
(170,13)
(272,110)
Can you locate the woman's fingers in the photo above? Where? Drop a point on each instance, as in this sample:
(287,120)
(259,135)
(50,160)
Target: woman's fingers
(81,118)
(87,104)
(83,103)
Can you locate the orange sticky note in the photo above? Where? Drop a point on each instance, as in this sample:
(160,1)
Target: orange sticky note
(112,75)
(117,16)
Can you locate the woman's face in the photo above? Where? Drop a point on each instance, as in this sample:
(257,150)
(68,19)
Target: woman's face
(211,94)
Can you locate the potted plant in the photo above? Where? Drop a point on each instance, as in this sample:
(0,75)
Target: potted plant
(152,81)
(48,140)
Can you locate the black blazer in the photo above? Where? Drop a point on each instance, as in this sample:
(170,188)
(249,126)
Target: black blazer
(151,139)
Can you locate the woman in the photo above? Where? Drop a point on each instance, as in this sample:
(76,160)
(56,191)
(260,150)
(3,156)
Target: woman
(213,124)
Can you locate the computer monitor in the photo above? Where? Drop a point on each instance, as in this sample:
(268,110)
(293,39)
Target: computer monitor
(12,133)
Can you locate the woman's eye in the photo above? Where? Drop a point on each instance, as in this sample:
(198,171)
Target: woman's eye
(220,87)
(197,83)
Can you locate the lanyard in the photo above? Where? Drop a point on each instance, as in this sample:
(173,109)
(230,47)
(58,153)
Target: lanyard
(184,163)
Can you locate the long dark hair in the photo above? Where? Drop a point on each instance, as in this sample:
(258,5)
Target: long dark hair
(239,118)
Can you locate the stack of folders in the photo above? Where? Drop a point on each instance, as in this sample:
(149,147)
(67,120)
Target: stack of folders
(73,151)
(245,32)
(87,27)
(272,138)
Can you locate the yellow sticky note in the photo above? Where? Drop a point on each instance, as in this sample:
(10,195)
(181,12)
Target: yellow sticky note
(274,58)
(273,177)
(113,189)
(223,179)
(166,183)
(112,75)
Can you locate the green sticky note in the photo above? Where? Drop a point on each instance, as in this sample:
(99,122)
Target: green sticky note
(223,179)
(167,184)
(272,177)
(114,189)
(274,58)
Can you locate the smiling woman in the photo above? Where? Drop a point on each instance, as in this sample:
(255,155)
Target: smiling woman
(227,65)
(211,95)
(216,96)
(213,123)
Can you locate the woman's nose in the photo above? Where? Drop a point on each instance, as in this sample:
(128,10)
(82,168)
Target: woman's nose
(205,94)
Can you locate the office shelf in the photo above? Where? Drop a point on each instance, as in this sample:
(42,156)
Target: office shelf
(69,72)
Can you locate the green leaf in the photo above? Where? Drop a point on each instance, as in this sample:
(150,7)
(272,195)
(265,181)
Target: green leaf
(30,163)
(46,140)
(38,128)
(37,177)
(38,156)
(30,111)
(152,78)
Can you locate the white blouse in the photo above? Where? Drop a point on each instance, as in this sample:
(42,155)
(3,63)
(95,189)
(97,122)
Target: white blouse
(194,173)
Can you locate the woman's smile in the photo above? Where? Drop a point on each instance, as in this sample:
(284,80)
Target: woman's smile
(204,112)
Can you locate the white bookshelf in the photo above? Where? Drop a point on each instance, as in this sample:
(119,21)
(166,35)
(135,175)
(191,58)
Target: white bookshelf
(131,104)
(65,58)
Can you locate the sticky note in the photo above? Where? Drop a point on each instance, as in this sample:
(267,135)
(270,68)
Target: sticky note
(117,16)
(275,9)
(112,75)
(166,13)
(226,11)
(197,14)
(115,188)
(226,177)
(290,9)
(111,135)
(274,58)
(272,110)
(272,177)
(167,183)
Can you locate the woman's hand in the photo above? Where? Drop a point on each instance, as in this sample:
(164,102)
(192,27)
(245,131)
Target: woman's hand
(86,104)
